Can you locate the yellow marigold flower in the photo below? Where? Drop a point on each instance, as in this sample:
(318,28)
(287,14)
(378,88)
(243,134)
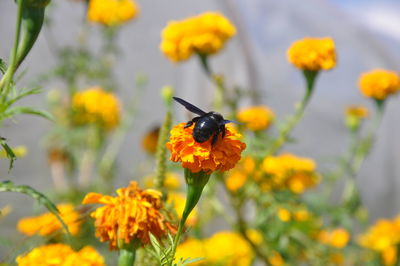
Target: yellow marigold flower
(47,224)
(111,12)
(221,156)
(171,181)
(255,236)
(132,214)
(191,248)
(290,171)
(237,177)
(284,215)
(96,106)
(313,54)
(379,84)
(382,235)
(301,215)
(203,34)
(150,140)
(227,248)
(60,255)
(358,111)
(389,256)
(178,200)
(337,238)
(256,117)
(276,259)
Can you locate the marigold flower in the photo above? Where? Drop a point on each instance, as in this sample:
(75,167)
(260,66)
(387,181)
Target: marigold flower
(96,106)
(61,255)
(358,111)
(191,248)
(111,12)
(228,248)
(196,157)
(47,224)
(150,140)
(379,84)
(204,34)
(313,54)
(171,181)
(276,259)
(178,200)
(382,235)
(389,256)
(132,214)
(237,177)
(290,171)
(284,215)
(256,118)
(337,238)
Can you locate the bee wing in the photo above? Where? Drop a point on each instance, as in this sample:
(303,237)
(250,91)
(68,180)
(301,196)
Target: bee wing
(189,106)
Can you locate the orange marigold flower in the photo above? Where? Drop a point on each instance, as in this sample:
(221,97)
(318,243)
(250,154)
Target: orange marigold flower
(111,12)
(358,111)
(179,200)
(204,34)
(132,214)
(382,235)
(238,176)
(379,84)
(61,255)
(196,157)
(150,140)
(313,54)
(47,224)
(256,117)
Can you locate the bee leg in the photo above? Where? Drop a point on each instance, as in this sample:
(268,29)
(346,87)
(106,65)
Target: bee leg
(222,130)
(214,139)
(190,123)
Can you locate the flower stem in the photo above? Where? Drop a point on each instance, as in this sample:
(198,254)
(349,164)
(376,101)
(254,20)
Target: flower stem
(287,128)
(195,185)
(7,78)
(126,257)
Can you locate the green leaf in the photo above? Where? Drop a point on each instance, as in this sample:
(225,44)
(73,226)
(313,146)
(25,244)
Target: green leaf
(25,110)
(3,66)
(8,186)
(21,94)
(9,152)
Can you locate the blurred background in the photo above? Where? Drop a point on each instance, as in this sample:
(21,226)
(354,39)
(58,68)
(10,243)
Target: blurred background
(367,35)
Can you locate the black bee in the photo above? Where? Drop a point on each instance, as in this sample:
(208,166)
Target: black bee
(206,124)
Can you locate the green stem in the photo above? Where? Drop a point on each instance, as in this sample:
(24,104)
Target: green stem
(287,128)
(126,257)
(7,78)
(161,153)
(195,185)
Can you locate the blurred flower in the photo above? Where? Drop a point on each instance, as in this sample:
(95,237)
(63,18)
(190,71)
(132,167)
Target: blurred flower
(204,34)
(291,172)
(196,157)
(276,259)
(96,106)
(382,235)
(337,238)
(354,115)
(191,248)
(111,12)
(301,215)
(255,236)
(256,117)
(56,155)
(150,139)
(222,248)
(284,215)
(178,200)
(228,248)
(131,215)
(62,255)
(336,259)
(19,151)
(237,177)
(379,83)
(4,211)
(313,54)
(47,224)
(389,256)
(171,181)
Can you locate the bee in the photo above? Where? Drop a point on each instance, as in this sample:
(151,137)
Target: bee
(206,125)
